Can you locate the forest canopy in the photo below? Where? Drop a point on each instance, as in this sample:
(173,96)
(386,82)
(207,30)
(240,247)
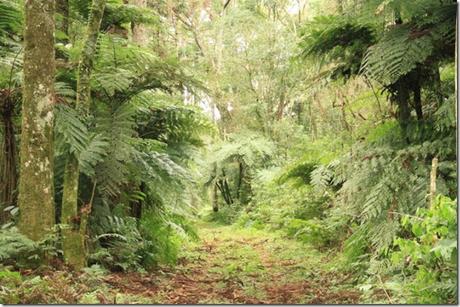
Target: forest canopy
(140,138)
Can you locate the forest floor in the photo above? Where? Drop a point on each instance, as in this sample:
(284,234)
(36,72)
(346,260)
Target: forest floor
(226,265)
(231,265)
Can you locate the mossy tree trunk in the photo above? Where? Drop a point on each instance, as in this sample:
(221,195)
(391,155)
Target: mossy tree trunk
(74,236)
(36,201)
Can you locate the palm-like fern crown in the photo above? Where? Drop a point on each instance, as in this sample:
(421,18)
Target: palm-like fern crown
(137,129)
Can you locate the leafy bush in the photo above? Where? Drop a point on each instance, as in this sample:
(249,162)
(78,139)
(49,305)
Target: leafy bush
(226,215)
(161,240)
(421,268)
(286,202)
(21,252)
(313,231)
(125,244)
(119,242)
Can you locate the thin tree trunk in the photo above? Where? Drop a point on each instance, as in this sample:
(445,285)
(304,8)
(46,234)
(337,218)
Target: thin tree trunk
(214,199)
(8,159)
(74,241)
(36,192)
(403,105)
(214,195)
(240,179)
(418,101)
(434,168)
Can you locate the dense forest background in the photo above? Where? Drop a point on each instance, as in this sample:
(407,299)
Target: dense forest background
(331,123)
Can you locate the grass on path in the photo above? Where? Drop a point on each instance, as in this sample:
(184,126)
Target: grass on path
(234,265)
(227,265)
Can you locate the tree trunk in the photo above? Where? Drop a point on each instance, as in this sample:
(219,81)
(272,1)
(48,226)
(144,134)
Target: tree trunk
(402,98)
(240,179)
(434,168)
(418,101)
(36,193)
(8,160)
(215,204)
(214,195)
(74,241)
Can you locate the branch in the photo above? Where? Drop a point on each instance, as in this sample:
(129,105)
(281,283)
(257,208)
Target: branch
(226,4)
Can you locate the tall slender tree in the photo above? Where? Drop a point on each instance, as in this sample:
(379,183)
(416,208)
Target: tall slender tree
(36,200)
(74,236)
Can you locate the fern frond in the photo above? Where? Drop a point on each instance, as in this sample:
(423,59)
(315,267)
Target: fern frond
(70,129)
(396,54)
(95,151)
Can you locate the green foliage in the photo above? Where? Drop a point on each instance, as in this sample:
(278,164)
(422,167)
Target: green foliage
(162,239)
(405,46)
(73,137)
(434,247)
(10,17)
(290,205)
(250,148)
(422,267)
(396,55)
(339,41)
(226,215)
(123,243)
(19,251)
(118,14)
(313,231)
(119,241)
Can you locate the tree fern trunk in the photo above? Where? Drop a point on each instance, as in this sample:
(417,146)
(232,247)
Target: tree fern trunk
(214,199)
(73,236)
(418,100)
(214,195)
(240,179)
(36,201)
(402,98)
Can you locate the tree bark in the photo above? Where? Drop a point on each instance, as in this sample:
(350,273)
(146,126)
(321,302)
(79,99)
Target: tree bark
(402,98)
(215,204)
(73,236)
(240,179)
(434,168)
(36,192)
(8,159)
(418,101)
(214,195)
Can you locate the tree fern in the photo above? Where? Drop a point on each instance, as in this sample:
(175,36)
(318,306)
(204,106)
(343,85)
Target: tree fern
(11,17)
(396,54)
(338,42)
(430,31)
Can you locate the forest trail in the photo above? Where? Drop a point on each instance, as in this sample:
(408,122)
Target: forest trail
(230,265)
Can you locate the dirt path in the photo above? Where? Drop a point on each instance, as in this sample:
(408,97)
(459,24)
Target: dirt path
(231,265)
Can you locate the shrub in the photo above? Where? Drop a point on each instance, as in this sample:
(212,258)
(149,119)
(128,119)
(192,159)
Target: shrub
(421,268)
(119,242)
(19,251)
